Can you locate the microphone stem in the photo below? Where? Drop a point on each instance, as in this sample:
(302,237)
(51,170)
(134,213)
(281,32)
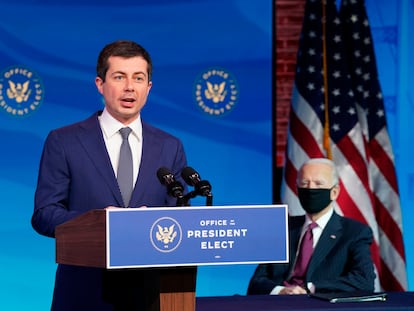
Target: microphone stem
(180,201)
(209,200)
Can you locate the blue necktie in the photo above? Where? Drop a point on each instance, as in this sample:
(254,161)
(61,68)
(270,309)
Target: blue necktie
(125,171)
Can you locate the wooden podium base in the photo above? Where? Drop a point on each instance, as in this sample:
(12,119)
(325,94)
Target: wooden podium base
(177,289)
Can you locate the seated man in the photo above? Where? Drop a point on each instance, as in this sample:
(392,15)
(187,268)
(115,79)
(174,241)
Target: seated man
(341,260)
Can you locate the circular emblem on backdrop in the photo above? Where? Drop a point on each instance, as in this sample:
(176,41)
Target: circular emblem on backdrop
(216,91)
(21,91)
(166,234)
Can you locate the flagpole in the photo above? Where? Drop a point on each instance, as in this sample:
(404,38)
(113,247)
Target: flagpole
(326,134)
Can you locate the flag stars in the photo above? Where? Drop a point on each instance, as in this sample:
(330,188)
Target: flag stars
(336,110)
(349,88)
(351,111)
(380,113)
(321,107)
(379,95)
(311,86)
(354,18)
(337,74)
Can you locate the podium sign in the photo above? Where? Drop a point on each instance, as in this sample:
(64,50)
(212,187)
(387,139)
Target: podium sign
(181,238)
(192,236)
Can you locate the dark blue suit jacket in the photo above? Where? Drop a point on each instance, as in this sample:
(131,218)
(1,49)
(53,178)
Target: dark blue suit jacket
(340,262)
(76,176)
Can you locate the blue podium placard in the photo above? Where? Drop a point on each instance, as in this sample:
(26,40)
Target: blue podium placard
(190,236)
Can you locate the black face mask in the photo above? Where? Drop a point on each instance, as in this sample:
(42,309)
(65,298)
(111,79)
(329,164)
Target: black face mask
(314,200)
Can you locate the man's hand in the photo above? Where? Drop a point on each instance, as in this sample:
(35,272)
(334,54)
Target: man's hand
(113,207)
(292,290)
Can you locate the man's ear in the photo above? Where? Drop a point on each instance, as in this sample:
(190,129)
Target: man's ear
(149,87)
(98,83)
(335,192)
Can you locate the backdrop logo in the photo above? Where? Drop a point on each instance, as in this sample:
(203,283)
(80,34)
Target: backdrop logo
(216,92)
(21,91)
(166,234)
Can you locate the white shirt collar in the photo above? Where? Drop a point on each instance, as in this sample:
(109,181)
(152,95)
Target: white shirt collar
(322,221)
(110,126)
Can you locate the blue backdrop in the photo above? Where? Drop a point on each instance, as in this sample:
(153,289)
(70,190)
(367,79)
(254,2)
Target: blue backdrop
(54,45)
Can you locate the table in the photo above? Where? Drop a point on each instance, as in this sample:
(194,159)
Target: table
(401,301)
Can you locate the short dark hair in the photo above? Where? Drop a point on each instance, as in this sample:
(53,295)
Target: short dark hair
(123,48)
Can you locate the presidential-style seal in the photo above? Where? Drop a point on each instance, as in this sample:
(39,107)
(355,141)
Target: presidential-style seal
(166,234)
(21,91)
(216,91)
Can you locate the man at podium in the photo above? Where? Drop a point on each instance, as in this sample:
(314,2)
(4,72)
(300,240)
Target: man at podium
(108,160)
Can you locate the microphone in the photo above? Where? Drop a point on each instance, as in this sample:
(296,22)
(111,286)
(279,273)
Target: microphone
(192,178)
(174,188)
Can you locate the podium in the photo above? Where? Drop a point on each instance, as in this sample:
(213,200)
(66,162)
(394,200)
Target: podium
(176,240)
(83,242)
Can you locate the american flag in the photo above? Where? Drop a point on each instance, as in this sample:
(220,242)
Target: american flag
(337,112)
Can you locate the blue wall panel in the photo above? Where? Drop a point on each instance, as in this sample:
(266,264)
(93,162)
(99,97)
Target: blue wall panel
(59,41)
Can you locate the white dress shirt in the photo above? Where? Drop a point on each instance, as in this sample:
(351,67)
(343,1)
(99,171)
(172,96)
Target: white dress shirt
(110,128)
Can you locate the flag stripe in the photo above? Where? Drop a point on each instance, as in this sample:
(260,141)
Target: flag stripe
(383,161)
(387,274)
(389,227)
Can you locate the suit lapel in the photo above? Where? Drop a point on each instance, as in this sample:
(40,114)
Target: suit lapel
(91,139)
(296,229)
(151,147)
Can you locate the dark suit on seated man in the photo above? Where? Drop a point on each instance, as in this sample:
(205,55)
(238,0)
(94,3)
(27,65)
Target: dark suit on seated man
(341,259)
